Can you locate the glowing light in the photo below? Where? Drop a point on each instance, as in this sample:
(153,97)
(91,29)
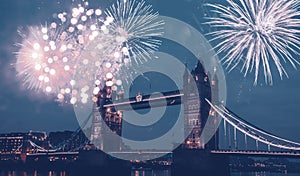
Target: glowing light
(53,25)
(83,18)
(44,30)
(109,75)
(67,90)
(114,88)
(34,55)
(81,9)
(46,48)
(46,79)
(52,72)
(90,12)
(47,69)
(60,15)
(50,60)
(48,89)
(45,37)
(60,96)
(119,82)
(74,92)
(80,27)
(108,65)
(98,12)
(84,101)
(73,100)
(97,82)
(63,48)
(74,21)
(85,61)
(38,67)
(109,83)
(116,54)
(36,46)
(67,68)
(96,90)
(95,99)
(65,59)
(72,82)
(93,27)
(41,78)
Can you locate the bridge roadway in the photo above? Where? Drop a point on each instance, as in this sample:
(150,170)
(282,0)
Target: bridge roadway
(221,152)
(254,153)
(148,101)
(168,99)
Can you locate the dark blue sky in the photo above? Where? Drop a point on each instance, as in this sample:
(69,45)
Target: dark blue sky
(272,108)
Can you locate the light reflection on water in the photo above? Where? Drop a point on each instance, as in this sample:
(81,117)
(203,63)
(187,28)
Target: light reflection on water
(263,174)
(134,173)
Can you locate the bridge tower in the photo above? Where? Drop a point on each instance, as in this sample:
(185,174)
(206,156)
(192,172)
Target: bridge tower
(100,135)
(196,109)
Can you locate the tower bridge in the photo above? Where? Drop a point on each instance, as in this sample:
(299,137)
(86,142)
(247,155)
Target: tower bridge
(198,107)
(241,138)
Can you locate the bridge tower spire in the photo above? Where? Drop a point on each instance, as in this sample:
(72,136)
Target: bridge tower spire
(195,85)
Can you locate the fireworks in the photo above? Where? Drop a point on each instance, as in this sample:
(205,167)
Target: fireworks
(135,27)
(46,59)
(81,52)
(49,55)
(255,32)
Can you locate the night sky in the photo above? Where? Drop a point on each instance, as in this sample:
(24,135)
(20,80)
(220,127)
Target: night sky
(272,108)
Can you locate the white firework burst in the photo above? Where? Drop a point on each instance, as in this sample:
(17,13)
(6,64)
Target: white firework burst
(256,32)
(135,26)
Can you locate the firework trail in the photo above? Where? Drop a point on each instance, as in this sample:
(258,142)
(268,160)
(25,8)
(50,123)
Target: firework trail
(257,32)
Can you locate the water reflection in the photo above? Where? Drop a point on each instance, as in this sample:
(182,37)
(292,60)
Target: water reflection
(262,174)
(34,173)
(151,172)
(140,172)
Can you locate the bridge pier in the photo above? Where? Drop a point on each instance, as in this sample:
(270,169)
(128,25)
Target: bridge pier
(199,162)
(97,162)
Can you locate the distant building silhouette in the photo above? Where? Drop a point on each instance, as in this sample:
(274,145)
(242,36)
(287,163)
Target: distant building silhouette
(20,142)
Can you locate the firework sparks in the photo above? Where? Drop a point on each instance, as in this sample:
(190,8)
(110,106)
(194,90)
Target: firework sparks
(255,32)
(135,27)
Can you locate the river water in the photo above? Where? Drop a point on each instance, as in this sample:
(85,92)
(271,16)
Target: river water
(134,173)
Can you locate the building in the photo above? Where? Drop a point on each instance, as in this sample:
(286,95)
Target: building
(196,88)
(12,142)
(22,142)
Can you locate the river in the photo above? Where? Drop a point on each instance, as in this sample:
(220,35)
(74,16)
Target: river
(133,173)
